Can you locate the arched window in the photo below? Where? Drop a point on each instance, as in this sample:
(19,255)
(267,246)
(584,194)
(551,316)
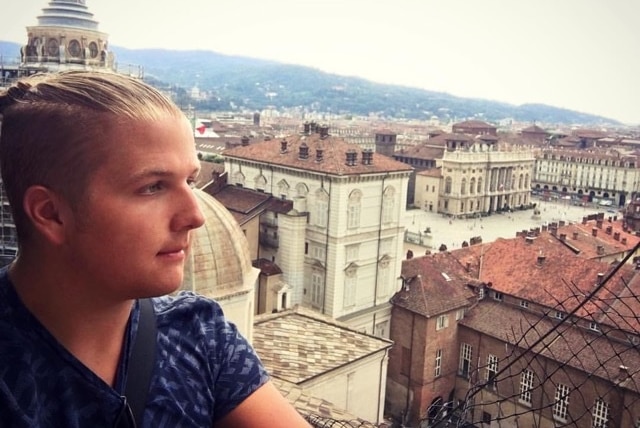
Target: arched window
(322,208)
(238,178)
(350,285)
(388,204)
(283,189)
(480,185)
(447,186)
(353,209)
(301,190)
(472,185)
(520,182)
(463,187)
(260,183)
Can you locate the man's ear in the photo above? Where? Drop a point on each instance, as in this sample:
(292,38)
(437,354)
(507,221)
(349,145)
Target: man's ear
(46,209)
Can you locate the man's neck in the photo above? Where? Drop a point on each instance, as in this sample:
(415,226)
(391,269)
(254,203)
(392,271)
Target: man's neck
(90,328)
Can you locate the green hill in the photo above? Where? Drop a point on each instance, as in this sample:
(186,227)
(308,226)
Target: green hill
(250,84)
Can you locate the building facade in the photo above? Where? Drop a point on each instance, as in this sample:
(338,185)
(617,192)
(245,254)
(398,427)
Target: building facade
(340,247)
(477,179)
(547,338)
(588,175)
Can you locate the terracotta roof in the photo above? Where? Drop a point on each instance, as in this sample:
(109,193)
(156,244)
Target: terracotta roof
(543,270)
(436,283)
(245,204)
(533,129)
(267,267)
(586,351)
(473,124)
(297,345)
(422,152)
(333,161)
(432,172)
(581,236)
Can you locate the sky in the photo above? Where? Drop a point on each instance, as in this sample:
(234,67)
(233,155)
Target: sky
(582,55)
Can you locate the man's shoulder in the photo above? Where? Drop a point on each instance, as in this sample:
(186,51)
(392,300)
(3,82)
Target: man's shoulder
(186,303)
(190,313)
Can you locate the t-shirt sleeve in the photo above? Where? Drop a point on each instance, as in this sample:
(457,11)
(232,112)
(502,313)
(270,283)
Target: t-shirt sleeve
(240,371)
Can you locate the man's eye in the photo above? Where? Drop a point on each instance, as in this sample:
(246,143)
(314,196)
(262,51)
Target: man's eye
(153,188)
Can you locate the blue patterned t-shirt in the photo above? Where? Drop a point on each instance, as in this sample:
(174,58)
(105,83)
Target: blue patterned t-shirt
(204,368)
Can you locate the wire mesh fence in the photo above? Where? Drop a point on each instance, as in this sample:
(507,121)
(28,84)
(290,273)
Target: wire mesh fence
(575,365)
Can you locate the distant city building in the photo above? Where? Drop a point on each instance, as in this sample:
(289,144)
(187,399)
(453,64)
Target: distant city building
(340,246)
(475,177)
(468,325)
(592,175)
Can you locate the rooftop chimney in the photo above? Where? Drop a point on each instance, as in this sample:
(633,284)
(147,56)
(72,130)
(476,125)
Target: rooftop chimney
(623,373)
(600,250)
(351,157)
(303,152)
(324,131)
(307,127)
(283,146)
(575,235)
(623,241)
(594,232)
(600,278)
(244,140)
(599,223)
(608,230)
(563,237)
(319,154)
(616,236)
(367,157)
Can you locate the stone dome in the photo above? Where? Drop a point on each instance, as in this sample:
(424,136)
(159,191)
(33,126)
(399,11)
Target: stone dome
(67,13)
(219,261)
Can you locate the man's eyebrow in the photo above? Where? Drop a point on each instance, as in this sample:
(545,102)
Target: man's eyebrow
(159,172)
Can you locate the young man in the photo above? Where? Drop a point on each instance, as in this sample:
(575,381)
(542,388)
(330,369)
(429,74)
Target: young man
(98,169)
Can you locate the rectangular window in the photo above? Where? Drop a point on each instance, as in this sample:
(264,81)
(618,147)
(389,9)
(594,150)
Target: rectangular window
(459,314)
(524,303)
(438,365)
(465,359)
(442,322)
(561,405)
(353,216)
(316,289)
(498,296)
(350,286)
(600,414)
(492,371)
(381,329)
(318,252)
(594,326)
(322,207)
(526,386)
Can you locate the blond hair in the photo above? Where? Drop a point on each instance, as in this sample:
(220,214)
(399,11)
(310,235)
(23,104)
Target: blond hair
(54,125)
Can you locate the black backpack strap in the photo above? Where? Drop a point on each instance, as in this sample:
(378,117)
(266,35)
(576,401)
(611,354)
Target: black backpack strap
(143,357)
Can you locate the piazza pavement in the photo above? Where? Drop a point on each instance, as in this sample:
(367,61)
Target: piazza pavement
(454,231)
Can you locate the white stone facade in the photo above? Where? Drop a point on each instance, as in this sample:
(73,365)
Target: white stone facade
(477,180)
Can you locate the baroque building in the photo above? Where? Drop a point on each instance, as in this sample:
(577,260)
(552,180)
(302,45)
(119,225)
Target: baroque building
(476,177)
(340,245)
